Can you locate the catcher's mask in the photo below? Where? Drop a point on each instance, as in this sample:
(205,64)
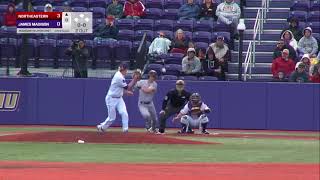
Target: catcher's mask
(153,74)
(195,98)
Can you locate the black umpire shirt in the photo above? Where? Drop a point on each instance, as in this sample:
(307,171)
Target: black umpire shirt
(175,99)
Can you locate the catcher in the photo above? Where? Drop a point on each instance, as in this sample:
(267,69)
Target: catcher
(193,115)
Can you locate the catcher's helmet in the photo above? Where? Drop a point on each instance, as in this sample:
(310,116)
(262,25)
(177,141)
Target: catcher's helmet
(152,73)
(195,98)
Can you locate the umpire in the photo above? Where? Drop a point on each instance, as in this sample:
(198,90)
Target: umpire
(173,102)
(80,55)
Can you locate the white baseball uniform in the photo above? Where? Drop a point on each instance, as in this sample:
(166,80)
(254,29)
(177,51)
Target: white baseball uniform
(115,102)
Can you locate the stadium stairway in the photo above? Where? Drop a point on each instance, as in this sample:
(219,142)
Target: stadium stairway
(275,23)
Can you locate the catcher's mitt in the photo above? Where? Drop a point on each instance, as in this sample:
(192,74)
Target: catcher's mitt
(137,74)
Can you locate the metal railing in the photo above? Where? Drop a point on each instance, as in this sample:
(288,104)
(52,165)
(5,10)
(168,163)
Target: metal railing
(250,59)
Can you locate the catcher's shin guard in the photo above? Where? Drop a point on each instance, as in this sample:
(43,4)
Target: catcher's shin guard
(183,129)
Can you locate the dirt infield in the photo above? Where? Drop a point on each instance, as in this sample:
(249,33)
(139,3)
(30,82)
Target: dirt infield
(185,171)
(94,137)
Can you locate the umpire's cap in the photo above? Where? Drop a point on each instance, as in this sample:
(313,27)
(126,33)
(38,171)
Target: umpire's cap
(153,73)
(180,82)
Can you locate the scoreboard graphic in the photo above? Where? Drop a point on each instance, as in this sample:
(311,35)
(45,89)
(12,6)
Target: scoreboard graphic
(54,22)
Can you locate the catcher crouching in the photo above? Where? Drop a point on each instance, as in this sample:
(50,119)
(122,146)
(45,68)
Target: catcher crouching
(193,115)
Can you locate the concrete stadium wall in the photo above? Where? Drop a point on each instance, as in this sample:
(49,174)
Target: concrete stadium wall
(236,105)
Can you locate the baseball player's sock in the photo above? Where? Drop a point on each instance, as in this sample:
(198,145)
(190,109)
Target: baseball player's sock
(183,129)
(204,128)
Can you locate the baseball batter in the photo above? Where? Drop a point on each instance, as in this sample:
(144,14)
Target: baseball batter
(114,100)
(147,89)
(193,115)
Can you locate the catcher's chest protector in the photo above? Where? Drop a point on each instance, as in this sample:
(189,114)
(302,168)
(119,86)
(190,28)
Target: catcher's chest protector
(195,110)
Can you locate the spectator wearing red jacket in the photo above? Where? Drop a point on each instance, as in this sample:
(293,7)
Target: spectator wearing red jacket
(315,78)
(133,9)
(10,15)
(283,63)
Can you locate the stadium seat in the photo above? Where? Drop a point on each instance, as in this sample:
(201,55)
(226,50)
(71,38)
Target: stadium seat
(172,4)
(154,4)
(186,25)
(98,12)
(58,8)
(139,34)
(300,5)
(123,50)
(174,58)
(201,45)
(97,3)
(314,16)
(125,34)
(9,32)
(47,54)
(171,14)
(201,36)
(38,8)
(189,78)
(156,67)
(168,34)
(61,46)
(66,36)
(203,25)
(169,77)
(153,13)
(301,15)
(79,3)
(97,22)
(8,50)
(104,51)
(125,24)
(208,78)
(221,27)
(173,69)
(40,2)
(226,35)
(315,26)
(314,5)
(163,24)
(79,9)
(30,48)
(188,35)
(135,46)
(144,24)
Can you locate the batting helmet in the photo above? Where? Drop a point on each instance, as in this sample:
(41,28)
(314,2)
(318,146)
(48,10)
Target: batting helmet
(195,98)
(152,73)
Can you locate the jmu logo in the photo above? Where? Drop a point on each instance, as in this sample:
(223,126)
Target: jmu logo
(9,100)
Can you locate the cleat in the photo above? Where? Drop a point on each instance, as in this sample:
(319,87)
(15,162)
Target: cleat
(100,129)
(125,131)
(205,132)
(190,132)
(160,133)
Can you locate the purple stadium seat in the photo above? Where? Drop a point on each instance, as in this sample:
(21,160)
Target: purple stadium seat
(315,26)
(98,12)
(139,34)
(79,9)
(58,8)
(221,27)
(61,47)
(301,15)
(173,69)
(174,58)
(38,8)
(201,45)
(171,14)
(90,47)
(8,49)
(300,5)
(30,48)
(97,3)
(314,16)
(79,3)
(9,32)
(168,34)
(156,67)
(3,9)
(127,35)
(154,4)
(125,24)
(169,77)
(47,54)
(97,22)
(135,47)
(103,49)
(40,2)
(123,50)
(66,36)
(153,13)
(203,25)
(163,24)
(186,25)
(143,24)
(172,4)
(188,34)
(189,78)
(316,35)
(226,36)
(60,3)
(208,78)
(201,36)
(315,5)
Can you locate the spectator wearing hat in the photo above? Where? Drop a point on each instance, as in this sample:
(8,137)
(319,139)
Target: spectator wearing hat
(306,61)
(280,47)
(294,28)
(191,64)
(190,11)
(229,12)
(10,16)
(180,43)
(160,45)
(315,77)
(208,10)
(308,44)
(133,9)
(48,8)
(106,31)
(289,39)
(299,75)
(115,9)
(217,58)
(283,63)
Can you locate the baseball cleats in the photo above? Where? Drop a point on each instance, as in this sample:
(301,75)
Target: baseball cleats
(100,129)
(205,132)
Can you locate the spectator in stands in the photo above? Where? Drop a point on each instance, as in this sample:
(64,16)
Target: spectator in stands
(281,77)
(218,56)
(106,31)
(308,44)
(283,63)
(133,9)
(115,9)
(180,42)
(306,61)
(48,8)
(10,16)
(191,65)
(299,75)
(294,28)
(289,39)
(228,12)
(190,10)
(315,78)
(201,54)
(160,45)
(208,10)
(280,47)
